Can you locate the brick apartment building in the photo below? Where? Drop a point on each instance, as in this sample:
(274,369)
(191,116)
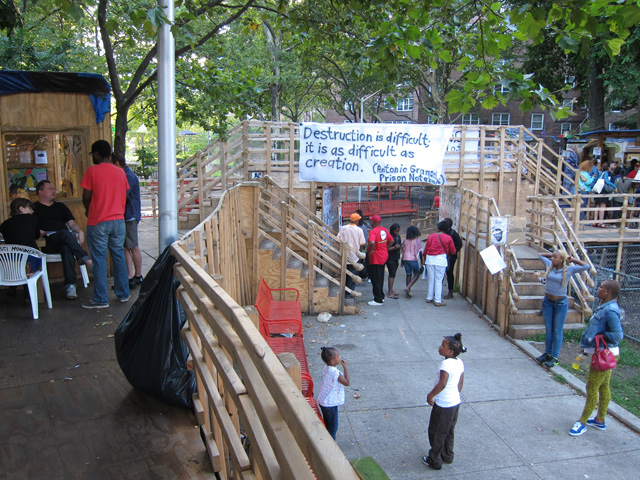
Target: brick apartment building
(541,123)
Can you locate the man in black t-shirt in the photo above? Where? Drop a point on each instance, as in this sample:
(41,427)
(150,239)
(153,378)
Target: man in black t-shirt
(56,220)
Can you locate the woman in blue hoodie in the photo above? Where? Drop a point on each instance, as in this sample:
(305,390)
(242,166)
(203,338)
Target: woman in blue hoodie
(606,322)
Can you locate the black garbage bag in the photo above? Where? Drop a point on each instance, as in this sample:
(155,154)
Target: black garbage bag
(149,348)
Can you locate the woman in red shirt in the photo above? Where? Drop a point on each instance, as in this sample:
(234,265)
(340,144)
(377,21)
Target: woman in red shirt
(438,247)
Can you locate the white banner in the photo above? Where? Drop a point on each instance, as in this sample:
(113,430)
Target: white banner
(373,153)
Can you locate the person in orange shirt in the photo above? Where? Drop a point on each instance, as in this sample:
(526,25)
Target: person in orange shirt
(104,196)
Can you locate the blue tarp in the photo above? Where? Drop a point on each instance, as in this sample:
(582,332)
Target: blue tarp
(93,84)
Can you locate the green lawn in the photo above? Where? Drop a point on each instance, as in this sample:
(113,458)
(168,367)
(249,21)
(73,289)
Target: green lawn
(625,380)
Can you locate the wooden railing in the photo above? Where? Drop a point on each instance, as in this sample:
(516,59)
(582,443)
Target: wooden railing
(478,153)
(296,230)
(474,227)
(244,392)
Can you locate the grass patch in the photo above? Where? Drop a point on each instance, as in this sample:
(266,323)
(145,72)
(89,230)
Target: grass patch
(538,337)
(625,380)
(559,379)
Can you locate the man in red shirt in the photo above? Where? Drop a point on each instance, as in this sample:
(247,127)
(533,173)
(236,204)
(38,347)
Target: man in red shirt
(379,240)
(104,196)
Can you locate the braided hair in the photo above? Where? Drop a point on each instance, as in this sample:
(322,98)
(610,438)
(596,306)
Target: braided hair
(327,353)
(564,256)
(455,344)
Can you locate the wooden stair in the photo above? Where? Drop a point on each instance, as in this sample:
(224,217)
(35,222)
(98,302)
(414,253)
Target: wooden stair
(528,320)
(326,293)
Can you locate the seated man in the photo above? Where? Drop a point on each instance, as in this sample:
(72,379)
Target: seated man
(55,219)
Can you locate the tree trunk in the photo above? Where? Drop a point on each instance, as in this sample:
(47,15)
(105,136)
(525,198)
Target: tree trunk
(596,95)
(121,129)
(274,45)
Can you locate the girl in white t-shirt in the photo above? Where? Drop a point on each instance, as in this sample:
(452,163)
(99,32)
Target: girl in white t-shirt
(332,385)
(445,399)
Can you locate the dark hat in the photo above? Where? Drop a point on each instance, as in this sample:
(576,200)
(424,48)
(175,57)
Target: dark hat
(102,147)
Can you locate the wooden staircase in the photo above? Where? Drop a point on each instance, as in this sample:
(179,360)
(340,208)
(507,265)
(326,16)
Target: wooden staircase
(325,296)
(528,320)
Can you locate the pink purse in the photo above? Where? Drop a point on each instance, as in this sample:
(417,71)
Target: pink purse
(602,360)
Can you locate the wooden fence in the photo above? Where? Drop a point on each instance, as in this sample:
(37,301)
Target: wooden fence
(245,393)
(479,156)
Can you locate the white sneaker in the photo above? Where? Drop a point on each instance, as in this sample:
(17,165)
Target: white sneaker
(373,303)
(71,292)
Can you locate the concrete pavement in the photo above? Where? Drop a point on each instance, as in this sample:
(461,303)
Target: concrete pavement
(514,419)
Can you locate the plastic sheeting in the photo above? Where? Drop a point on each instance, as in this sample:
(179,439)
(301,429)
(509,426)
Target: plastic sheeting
(149,348)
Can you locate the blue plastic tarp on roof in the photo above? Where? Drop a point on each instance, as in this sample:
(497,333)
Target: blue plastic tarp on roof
(93,84)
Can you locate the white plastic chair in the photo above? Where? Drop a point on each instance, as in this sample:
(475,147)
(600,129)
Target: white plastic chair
(56,257)
(13,272)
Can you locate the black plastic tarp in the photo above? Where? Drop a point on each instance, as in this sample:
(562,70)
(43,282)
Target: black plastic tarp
(149,348)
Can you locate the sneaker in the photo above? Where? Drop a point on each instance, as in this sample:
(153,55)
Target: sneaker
(373,303)
(138,280)
(71,292)
(440,304)
(125,299)
(578,429)
(427,461)
(132,284)
(595,424)
(552,362)
(543,358)
(93,304)
(429,301)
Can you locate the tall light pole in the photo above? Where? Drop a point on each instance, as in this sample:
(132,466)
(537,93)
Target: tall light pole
(167,182)
(364,99)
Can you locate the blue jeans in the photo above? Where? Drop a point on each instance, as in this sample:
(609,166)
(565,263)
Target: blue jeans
(554,313)
(330,416)
(109,235)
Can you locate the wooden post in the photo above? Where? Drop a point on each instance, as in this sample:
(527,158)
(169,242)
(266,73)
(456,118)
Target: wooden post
(463,141)
(343,276)
(267,132)
(223,166)
(538,167)
(154,199)
(482,140)
(519,164)
(292,153)
(501,170)
(577,211)
(245,150)
(283,246)
(292,366)
(200,181)
(311,274)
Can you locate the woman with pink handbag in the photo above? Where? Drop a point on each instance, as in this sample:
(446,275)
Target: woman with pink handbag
(601,338)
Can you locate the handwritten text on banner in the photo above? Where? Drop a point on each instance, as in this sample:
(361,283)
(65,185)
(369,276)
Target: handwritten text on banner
(373,153)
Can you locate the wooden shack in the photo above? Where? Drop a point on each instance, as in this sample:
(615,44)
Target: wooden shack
(48,121)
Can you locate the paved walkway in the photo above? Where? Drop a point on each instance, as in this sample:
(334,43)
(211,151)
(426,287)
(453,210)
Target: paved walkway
(513,422)
(66,410)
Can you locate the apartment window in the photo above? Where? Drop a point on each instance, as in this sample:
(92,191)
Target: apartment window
(405,104)
(570,80)
(565,128)
(612,126)
(537,121)
(500,89)
(471,119)
(349,107)
(432,119)
(500,119)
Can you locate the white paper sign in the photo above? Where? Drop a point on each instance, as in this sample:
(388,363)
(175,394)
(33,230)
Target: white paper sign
(41,157)
(492,259)
(373,153)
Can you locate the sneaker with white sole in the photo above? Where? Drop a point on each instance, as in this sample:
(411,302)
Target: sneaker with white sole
(71,292)
(373,303)
(578,429)
(93,304)
(125,299)
(592,422)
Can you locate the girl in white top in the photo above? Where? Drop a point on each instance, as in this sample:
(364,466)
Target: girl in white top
(332,385)
(445,400)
